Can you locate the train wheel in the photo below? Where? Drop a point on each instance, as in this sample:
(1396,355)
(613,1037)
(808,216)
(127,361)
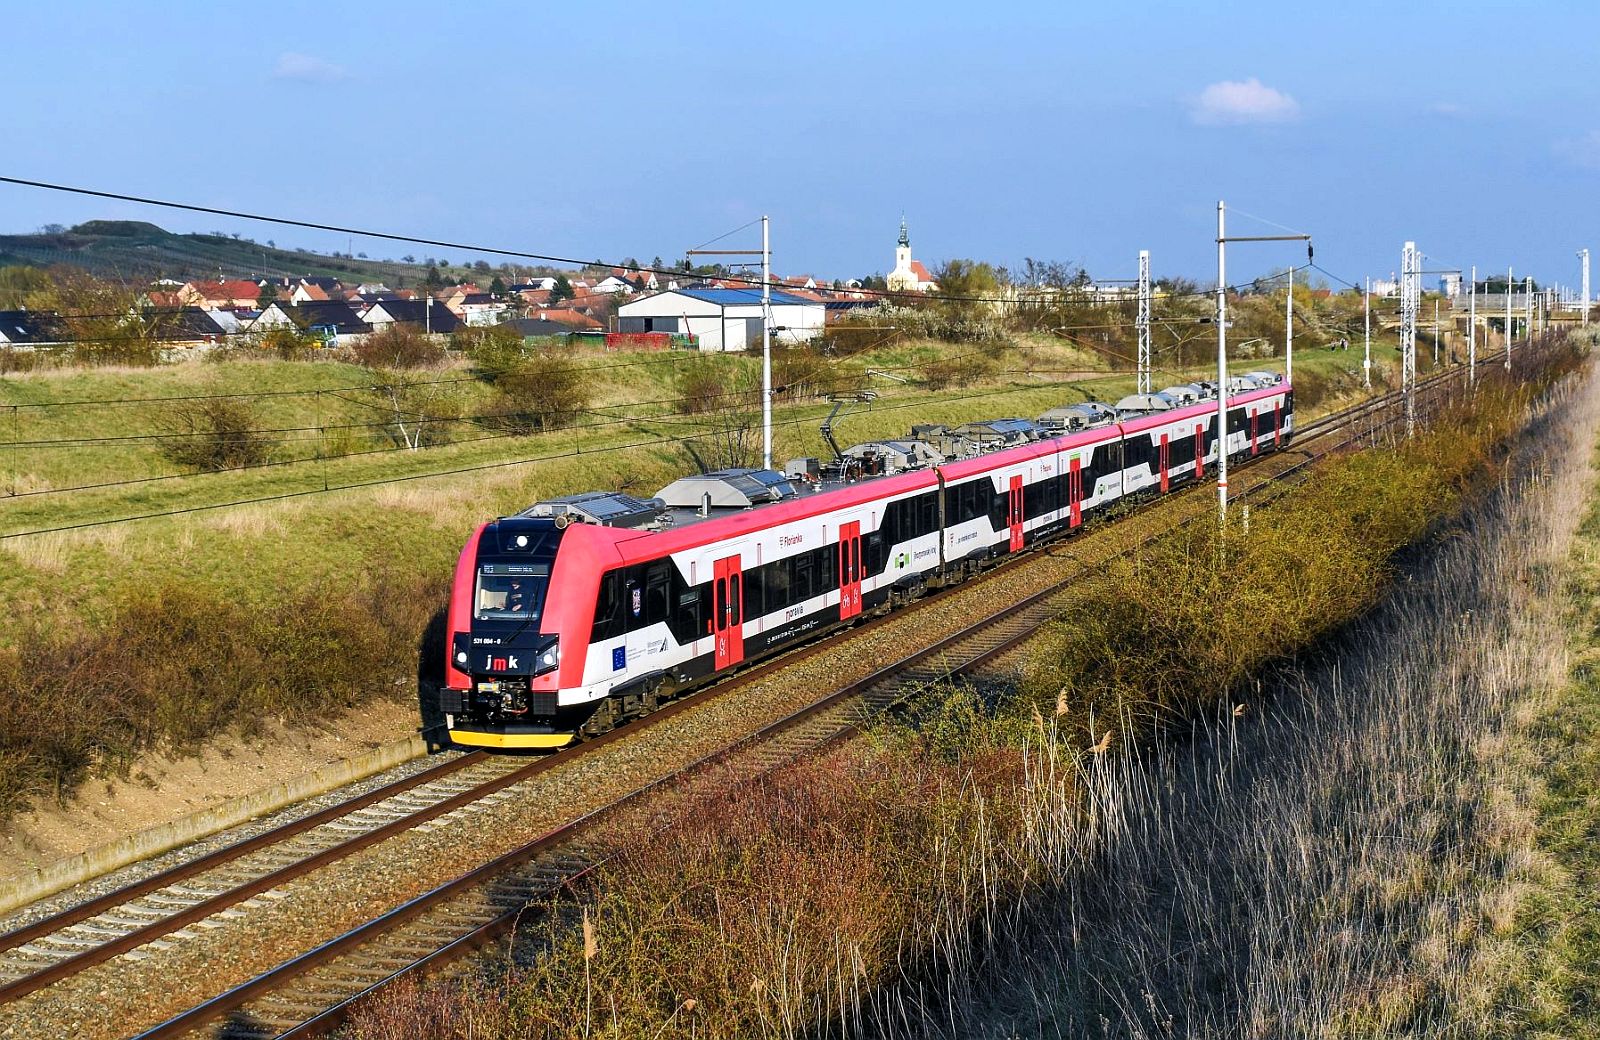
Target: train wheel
(603,720)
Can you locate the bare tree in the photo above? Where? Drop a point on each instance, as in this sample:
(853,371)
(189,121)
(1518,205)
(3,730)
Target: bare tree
(422,412)
(732,425)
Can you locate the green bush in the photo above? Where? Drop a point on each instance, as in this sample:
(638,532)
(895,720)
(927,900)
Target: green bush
(399,346)
(213,435)
(540,392)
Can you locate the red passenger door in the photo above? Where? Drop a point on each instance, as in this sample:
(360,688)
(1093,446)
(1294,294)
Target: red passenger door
(1277,424)
(1014,512)
(1075,492)
(849,569)
(1199,451)
(727,587)
(1166,481)
(1253,417)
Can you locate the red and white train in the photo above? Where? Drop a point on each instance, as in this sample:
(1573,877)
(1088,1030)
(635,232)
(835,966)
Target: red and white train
(583,611)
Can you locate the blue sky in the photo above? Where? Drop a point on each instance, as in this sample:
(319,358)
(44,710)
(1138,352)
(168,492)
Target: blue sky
(1057,131)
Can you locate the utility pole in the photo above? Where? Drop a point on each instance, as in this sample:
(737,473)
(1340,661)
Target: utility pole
(1435,333)
(1409,277)
(765,252)
(1366,316)
(1509,319)
(1583,254)
(1144,383)
(1527,303)
(1288,332)
(1472,327)
(1222,365)
(766,346)
(1222,344)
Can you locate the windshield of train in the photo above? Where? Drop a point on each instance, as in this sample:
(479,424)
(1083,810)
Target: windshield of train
(511,591)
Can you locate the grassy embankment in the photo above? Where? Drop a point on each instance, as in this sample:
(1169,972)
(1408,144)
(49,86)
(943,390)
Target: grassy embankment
(164,631)
(878,889)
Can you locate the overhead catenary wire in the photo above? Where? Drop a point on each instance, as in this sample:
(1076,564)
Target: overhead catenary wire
(423,420)
(337,393)
(461,470)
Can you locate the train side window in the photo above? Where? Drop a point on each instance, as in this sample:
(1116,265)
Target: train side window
(608,608)
(776,586)
(735,599)
(801,588)
(657,585)
(825,568)
(755,592)
(873,554)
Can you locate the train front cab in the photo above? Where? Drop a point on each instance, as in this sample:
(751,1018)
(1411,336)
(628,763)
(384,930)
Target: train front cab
(518,622)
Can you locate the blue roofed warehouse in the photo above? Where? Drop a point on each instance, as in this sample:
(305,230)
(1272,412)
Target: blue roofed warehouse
(723,319)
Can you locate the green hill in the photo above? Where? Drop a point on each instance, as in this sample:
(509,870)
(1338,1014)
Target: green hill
(141,251)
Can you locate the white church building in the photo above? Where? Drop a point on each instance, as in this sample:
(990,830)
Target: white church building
(909,275)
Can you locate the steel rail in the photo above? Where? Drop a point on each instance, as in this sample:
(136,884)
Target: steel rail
(181,871)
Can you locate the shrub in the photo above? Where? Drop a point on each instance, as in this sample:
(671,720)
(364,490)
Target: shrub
(494,349)
(706,384)
(541,392)
(214,434)
(288,344)
(399,346)
(14,360)
(799,373)
(959,370)
(179,662)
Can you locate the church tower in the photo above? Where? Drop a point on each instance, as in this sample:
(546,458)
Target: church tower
(903,278)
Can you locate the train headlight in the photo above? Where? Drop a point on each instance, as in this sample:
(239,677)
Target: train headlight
(522,541)
(548,660)
(461,657)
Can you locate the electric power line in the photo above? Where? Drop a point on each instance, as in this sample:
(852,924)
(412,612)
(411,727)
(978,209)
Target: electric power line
(483,467)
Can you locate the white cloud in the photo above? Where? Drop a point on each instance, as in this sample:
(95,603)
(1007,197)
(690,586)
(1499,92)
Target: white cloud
(307,69)
(1448,109)
(1251,101)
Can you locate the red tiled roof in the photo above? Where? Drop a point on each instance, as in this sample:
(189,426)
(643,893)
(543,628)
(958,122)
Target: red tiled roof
(920,271)
(238,289)
(565,316)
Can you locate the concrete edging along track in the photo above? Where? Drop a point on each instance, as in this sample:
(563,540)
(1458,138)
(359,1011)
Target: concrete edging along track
(23,889)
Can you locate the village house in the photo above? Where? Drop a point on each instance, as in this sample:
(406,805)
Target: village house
(29,329)
(241,294)
(333,320)
(422,315)
(476,308)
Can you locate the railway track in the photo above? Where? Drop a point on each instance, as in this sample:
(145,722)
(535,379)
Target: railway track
(310,993)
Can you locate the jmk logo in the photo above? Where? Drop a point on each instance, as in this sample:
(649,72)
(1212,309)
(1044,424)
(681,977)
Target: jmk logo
(498,664)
